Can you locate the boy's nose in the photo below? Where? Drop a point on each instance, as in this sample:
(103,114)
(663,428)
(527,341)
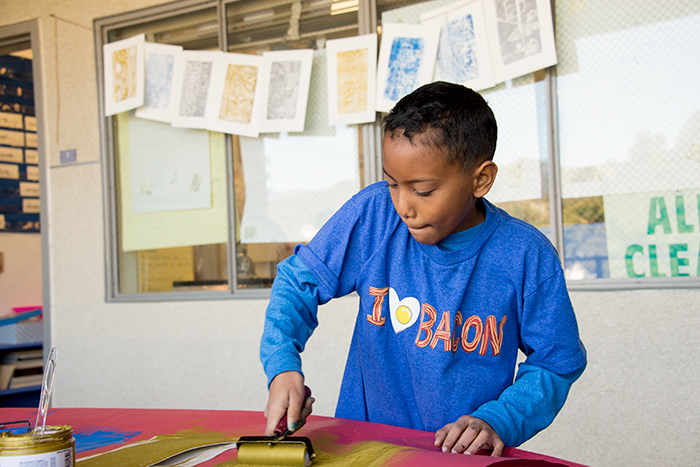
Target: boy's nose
(404,207)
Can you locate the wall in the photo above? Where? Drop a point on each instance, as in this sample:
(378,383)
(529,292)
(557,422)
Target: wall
(635,405)
(164,355)
(637,402)
(20,283)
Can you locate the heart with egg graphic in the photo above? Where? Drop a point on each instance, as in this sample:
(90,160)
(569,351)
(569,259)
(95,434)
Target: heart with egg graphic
(403,312)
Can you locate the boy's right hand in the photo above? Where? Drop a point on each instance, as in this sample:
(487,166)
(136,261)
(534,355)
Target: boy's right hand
(468,435)
(287,397)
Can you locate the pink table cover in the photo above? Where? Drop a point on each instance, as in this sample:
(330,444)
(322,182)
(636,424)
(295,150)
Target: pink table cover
(98,430)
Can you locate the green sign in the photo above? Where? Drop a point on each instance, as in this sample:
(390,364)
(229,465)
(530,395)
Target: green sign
(653,234)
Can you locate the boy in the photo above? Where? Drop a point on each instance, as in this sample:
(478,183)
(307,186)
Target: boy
(450,288)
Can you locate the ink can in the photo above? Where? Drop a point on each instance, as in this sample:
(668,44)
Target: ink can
(55,447)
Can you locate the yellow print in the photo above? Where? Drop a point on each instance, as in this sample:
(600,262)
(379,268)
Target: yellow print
(352,81)
(239,94)
(124,73)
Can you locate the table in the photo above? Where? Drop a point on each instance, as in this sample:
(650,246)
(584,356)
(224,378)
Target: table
(99,430)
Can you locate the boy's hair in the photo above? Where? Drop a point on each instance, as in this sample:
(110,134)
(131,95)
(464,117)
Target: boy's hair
(448,116)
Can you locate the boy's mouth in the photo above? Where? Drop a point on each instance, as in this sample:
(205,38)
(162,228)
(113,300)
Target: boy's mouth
(416,229)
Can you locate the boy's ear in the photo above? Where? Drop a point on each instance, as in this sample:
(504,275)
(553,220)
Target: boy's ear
(484,176)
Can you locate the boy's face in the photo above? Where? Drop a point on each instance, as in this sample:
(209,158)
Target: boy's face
(433,198)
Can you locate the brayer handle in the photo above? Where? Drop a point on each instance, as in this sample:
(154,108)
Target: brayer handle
(281,429)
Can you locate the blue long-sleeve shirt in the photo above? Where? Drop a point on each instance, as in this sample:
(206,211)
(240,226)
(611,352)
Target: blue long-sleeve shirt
(522,410)
(434,362)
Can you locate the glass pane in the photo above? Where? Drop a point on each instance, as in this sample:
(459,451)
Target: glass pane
(629,116)
(172,202)
(521,186)
(395,11)
(288,184)
(194,29)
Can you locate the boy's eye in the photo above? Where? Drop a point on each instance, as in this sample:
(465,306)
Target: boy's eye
(424,193)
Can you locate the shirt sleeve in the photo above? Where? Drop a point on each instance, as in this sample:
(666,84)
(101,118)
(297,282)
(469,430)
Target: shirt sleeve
(555,358)
(290,318)
(529,405)
(340,250)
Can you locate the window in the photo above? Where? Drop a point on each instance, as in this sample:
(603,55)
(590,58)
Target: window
(267,193)
(628,104)
(600,152)
(288,184)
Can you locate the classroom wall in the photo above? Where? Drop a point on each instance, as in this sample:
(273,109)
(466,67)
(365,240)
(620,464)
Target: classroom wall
(20,281)
(635,405)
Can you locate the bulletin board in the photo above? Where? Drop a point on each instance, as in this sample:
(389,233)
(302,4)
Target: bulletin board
(19,159)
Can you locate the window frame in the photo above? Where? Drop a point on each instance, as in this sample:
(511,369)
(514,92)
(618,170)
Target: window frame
(556,209)
(368,22)
(371,141)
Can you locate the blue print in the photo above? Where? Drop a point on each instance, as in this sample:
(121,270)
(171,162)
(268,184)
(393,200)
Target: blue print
(457,51)
(92,438)
(404,65)
(159,78)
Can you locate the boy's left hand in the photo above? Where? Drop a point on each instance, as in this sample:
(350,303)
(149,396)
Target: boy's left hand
(468,435)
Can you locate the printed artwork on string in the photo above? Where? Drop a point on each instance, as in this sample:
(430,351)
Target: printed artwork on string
(160,73)
(239,94)
(406,61)
(192,85)
(521,35)
(124,72)
(404,65)
(463,54)
(234,104)
(285,80)
(285,77)
(352,91)
(352,79)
